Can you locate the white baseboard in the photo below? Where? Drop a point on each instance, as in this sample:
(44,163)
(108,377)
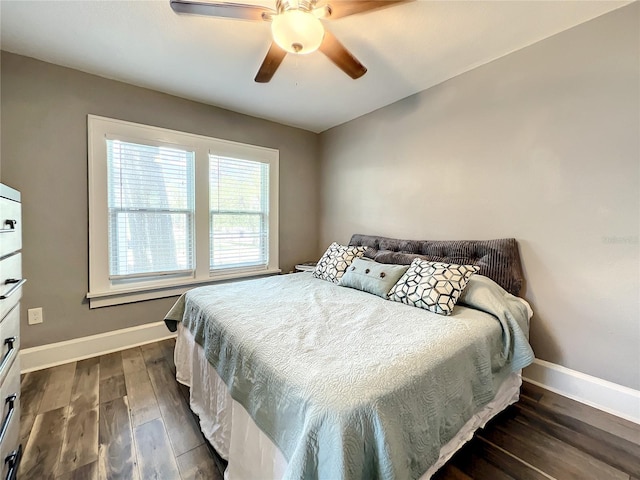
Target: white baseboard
(610,397)
(45,356)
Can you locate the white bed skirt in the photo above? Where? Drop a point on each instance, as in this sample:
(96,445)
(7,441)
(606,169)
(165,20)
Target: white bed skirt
(251,454)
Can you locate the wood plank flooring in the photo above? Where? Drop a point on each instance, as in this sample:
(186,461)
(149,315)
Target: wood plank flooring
(123,416)
(117,416)
(548,436)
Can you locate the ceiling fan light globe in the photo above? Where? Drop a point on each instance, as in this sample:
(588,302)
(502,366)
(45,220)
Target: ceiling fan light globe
(297,31)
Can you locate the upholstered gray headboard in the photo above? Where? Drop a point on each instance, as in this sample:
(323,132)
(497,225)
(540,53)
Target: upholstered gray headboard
(498,259)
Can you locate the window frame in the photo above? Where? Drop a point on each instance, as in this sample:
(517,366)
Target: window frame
(102,290)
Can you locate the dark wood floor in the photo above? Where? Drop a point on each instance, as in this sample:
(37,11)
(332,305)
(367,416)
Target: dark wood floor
(548,436)
(118,416)
(123,416)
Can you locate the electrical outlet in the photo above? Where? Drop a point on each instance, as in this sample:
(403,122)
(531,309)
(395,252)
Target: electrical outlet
(35,316)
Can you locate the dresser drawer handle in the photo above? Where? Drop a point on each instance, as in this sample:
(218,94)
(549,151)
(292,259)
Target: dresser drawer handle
(8,341)
(17,283)
(13,460)
(11,400)
(12,225)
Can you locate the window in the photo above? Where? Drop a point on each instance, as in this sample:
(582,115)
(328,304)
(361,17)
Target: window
(151,210)
(239,203)
(169,210)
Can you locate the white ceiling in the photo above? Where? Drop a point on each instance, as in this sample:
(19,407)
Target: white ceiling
(406,48)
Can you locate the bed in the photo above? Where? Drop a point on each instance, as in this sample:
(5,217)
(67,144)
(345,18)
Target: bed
(296,377)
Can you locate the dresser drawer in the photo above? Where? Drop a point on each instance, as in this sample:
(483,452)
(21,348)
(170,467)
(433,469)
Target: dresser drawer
(10,282)
(9,417)
(10,406)
(9,342)
(10,227)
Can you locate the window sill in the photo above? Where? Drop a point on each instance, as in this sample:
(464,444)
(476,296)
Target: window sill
(131,295)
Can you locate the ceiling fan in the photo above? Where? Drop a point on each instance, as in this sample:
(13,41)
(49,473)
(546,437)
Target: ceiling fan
(295,27)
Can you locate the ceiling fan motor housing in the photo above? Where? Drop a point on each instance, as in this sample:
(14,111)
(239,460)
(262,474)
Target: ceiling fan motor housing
(303,5)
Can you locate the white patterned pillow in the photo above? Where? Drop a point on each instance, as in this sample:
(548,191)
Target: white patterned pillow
(433,286)
(336,260)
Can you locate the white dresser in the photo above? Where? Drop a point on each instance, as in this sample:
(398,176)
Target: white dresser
(11,282)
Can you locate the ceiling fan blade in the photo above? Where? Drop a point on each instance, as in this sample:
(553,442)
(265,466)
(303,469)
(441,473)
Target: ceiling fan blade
(222,9)
(342,57)
(344,8)
(271,62)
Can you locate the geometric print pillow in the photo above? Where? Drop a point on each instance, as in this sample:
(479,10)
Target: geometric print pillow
(433,286)
(336,260)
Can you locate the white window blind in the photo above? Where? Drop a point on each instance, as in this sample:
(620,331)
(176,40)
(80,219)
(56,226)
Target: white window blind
(239,213)
(151,210)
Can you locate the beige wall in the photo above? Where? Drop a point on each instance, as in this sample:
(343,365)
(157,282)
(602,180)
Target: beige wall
(44,155)
(541,145)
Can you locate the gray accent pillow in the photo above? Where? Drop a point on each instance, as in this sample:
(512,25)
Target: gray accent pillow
(372,277)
